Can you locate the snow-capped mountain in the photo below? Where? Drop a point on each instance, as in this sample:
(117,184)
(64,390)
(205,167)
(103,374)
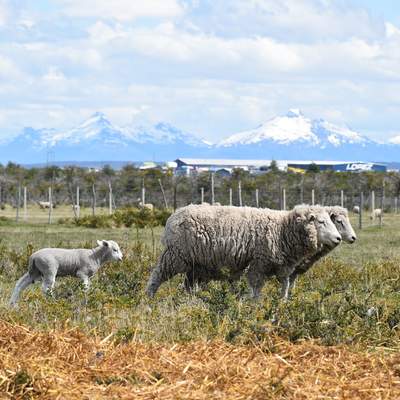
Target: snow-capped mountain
(295,127)
(294,136)
(97,139)
(290,136)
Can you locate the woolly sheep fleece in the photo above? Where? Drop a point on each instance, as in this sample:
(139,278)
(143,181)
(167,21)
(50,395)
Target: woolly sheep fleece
(202,240)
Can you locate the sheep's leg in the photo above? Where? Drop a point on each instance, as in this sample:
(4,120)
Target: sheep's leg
(292,281)
(167,267)
(256,280)
(21,285)
(285,290)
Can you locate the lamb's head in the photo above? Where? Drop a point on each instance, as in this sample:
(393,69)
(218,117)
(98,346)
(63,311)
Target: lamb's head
(318,225)
(113,251)
(340,218)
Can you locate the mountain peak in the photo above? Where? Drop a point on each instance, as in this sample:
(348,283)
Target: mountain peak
(294,113)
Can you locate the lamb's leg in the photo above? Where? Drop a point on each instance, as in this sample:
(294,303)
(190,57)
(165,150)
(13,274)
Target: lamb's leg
(48,284)
(85,280)
(21,284)
(167,267)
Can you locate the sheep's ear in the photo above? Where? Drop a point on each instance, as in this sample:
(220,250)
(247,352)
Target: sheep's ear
(105,243)
(333,216)
(99,243)
(311,217)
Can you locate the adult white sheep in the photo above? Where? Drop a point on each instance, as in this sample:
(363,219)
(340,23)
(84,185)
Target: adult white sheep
(356,209)
(206,239)
(47,264)
(338,215)
(377,213)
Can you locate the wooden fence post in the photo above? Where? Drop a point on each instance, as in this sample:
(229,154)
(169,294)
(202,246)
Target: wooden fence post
(372,200)
(395,204)
(230,196)
(50,205)
(212,189)
(25,205)
(361,210)
(240,193)
(381,214)
(283,199)
(312,197)
(78,207)
(143,194)
(18,202)
(257,205)
(201,195)
(93,200)
(163,193)
(110,198)
(341,198)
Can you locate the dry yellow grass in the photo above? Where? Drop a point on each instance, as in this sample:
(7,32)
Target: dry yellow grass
(70,365)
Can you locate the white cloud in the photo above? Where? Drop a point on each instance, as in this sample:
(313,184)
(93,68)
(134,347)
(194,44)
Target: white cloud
(121,10)
(211,67)
(4,12)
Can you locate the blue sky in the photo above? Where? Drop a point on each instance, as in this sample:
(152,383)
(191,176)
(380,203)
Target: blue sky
(210,67)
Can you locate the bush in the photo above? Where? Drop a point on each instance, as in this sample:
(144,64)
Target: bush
(140,217)
(94,221)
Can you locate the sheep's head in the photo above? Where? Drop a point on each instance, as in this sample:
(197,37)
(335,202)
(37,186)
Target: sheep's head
(114,252)
(340,218)
(319,224)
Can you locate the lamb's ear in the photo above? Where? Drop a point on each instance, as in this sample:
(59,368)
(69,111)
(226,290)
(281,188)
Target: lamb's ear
(311,217)
(333,216)
(99,243)
(105,243)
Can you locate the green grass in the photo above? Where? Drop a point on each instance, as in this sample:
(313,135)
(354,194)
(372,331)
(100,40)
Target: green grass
(352,296)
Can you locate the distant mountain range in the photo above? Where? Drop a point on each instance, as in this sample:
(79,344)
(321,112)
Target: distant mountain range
(291,136)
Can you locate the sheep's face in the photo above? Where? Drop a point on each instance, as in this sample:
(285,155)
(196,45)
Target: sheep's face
(114,252)
(343,225)
(326,230)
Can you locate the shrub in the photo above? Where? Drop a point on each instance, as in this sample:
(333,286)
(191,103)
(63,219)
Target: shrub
(94,221)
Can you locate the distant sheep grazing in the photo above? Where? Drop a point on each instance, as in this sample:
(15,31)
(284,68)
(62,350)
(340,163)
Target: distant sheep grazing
(45,204)
(203,240)
(147,206)
(377,213)
(47,264)
(356,209)
(76,207)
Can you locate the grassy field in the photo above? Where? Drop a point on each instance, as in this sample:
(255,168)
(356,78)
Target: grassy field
(345,311)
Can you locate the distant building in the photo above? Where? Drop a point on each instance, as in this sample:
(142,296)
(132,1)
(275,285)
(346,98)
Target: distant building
(187,165)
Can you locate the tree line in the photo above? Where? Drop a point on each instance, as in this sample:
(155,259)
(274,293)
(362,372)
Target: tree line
(165,189)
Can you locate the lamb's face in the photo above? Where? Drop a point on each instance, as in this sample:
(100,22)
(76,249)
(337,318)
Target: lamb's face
(114,252)
(326,230)
(343,225)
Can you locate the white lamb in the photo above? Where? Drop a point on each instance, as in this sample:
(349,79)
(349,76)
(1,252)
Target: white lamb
(47,264)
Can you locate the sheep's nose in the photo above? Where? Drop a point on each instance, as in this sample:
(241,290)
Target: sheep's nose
(338,239)
(353,239)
